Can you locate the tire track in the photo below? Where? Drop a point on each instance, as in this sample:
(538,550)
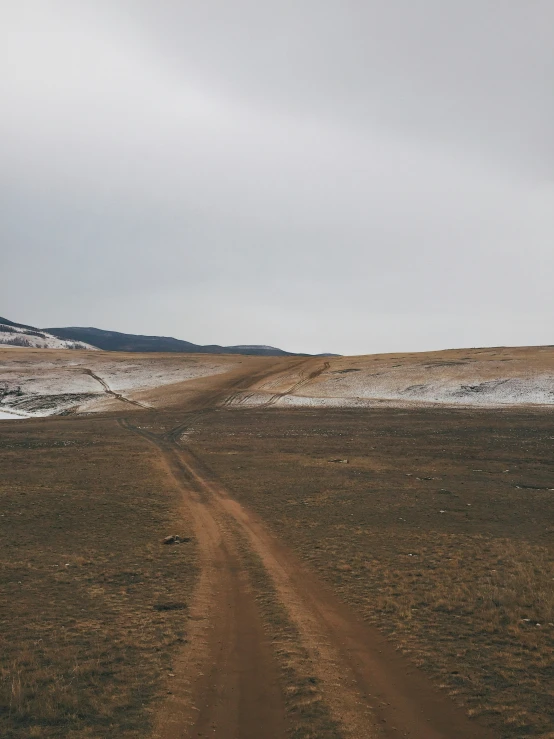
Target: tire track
(371,692)
(107,389)
(226,684)
(225,389)
(369,689)
(224,395)
(302,382)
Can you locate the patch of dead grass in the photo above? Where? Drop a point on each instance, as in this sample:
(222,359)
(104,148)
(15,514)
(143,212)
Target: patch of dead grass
(83,649)
(439,531)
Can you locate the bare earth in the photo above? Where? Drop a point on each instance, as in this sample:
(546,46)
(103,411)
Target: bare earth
(289,608)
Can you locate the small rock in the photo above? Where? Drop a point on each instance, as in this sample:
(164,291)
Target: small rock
(340,461)
(176,539)
(170,606)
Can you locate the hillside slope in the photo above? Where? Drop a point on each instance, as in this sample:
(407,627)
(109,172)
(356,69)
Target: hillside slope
(121,342)
(494,376)
(42,383)
(49,382)
(18,334)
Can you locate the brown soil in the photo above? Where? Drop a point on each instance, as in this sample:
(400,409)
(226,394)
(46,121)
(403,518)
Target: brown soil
(92,605)
(367,687)
(438,531)
(260,626)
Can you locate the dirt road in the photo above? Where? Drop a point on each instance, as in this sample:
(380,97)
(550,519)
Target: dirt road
(303,665)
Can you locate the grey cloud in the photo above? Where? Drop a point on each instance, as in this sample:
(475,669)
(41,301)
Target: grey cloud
(336,176)
(472,74)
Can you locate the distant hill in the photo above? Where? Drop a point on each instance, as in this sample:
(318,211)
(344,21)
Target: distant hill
(114,341)
(80,337)
(19,334)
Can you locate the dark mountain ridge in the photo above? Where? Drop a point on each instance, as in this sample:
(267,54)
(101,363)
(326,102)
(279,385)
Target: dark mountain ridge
(6,322)
(116,341)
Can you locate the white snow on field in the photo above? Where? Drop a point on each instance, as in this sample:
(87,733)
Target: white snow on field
(36,339)
(481,377)
(10,416)
(431,389)
(133,375)
(298,401)
(41,382)
(47,383)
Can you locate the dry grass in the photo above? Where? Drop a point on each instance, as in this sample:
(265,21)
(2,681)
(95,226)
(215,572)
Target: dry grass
(83,508)
(438,530)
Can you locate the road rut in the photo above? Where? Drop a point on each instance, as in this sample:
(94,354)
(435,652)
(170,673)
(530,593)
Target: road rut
(107,389)
(370,690)
(226,684)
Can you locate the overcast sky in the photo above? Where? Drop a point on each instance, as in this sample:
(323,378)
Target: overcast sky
(348,176)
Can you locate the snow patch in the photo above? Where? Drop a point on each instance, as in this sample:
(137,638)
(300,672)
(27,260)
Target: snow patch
(35,339)
(445,389)
(472,378)
(8,415)
(48,384)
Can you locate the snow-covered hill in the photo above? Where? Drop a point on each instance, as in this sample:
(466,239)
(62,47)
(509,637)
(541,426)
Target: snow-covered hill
(17,334)
(52,382)
(35,383)
(495,376)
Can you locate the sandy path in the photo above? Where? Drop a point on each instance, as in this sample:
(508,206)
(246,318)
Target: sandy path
(305,379)
(367,685)
(225,683)
(370,690)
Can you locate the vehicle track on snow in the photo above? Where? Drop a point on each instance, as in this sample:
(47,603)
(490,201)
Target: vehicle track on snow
(304,380)
(223,395)
(227,679)
(107,389)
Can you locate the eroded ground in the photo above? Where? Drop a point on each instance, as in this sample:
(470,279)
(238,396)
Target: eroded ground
(309,534)
(438,529)
(45,382)
(92,605)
